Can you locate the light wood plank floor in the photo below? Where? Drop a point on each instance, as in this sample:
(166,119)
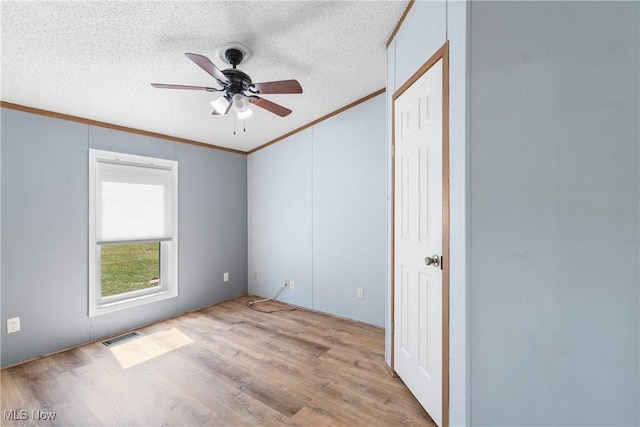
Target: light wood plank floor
(224,365)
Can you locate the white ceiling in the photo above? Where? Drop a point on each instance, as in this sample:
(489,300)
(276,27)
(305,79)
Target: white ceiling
(96,60)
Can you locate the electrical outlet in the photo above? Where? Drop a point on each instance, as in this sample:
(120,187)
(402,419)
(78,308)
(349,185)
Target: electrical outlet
(13,325)
(290,284)
(225,277)
(360,293)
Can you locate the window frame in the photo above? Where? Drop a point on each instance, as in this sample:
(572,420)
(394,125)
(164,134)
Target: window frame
(168,286)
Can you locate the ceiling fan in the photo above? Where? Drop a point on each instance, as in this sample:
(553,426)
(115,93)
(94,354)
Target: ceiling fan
(237,86)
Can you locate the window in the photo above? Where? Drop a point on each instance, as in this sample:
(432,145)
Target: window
(133,233)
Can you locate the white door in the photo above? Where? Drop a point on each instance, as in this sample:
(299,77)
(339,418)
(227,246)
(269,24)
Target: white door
(418,235)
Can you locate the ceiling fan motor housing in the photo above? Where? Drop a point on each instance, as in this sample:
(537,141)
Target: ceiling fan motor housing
(239,81)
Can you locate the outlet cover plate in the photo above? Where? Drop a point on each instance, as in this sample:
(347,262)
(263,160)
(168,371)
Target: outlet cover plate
(13,325)
(225,277)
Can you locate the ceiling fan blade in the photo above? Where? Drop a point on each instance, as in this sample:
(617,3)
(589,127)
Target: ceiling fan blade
(270,106)
(204,63)
(281,86)
(167,86)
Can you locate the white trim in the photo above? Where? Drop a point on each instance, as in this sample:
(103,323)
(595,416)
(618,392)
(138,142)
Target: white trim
(169,249)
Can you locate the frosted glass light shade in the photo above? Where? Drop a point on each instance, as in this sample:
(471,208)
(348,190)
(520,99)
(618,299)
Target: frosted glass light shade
(220,105)
(245,114)
(240,103)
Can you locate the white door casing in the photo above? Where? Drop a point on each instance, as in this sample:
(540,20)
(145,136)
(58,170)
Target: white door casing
(418,291)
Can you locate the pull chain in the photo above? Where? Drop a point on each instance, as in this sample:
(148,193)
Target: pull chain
(244,124)
(234,125)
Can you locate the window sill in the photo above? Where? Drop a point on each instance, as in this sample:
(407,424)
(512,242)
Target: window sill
(99,309)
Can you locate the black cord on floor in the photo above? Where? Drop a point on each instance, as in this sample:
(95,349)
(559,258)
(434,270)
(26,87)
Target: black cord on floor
(251,305)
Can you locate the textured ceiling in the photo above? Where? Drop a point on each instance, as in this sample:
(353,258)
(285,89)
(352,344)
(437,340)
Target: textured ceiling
(96,60)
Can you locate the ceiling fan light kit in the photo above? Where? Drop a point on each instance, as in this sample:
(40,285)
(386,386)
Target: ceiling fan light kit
(238,88)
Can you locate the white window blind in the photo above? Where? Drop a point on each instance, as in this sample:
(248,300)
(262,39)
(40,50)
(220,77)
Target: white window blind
(133,201)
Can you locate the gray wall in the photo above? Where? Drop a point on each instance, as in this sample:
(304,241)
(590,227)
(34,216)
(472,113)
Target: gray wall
(280,217)
(554,213)
(45,237)
(426,28)
(544,176)
(317,215)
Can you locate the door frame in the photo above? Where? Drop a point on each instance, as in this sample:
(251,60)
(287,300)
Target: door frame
(441,53)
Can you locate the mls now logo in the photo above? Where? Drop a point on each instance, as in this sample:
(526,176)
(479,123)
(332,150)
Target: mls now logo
(23,415)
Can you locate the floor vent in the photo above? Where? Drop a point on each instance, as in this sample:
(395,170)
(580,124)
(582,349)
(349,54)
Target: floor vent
(121,338)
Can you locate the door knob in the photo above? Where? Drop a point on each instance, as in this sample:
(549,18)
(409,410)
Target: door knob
(434,260)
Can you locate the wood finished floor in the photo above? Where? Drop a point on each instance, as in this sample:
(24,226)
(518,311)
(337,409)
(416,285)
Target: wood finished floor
(243,368)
